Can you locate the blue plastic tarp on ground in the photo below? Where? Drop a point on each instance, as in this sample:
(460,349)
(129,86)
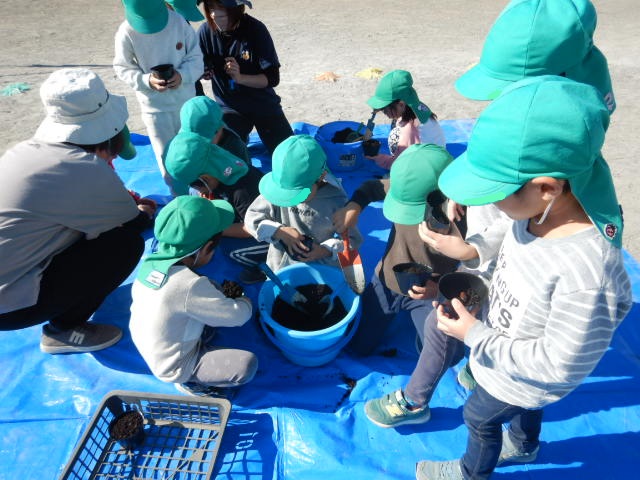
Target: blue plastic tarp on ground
(294,422)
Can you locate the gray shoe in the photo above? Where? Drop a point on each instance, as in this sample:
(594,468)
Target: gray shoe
(511,453)
(198,390)
(89,337)
(428,470)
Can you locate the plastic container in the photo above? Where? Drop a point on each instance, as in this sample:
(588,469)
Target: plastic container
(128,429)
(341,157)
(163,72)
(409,274)
(470,289)
(182,437)
(317,347)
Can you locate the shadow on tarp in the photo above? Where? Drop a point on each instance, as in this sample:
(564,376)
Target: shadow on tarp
(248,448)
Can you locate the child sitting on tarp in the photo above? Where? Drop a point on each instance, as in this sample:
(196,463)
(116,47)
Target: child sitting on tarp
(172,304)
(202,116)
(293,211)
(414,175)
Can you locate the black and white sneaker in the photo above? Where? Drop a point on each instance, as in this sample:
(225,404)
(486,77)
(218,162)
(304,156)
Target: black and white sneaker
(89,337)
(198,390)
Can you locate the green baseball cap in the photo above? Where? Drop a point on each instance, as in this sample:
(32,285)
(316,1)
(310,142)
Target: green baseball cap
(545,126)
(297,163)
(146,16)
(398,85)
(413,176)
(187,8)
(183,226)
(201,115)
(537,37)
(189,155)
(129,150)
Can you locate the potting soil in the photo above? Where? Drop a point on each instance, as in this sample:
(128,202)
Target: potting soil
(311,315)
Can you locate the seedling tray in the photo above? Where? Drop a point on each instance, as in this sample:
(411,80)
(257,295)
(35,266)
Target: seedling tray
(182,439)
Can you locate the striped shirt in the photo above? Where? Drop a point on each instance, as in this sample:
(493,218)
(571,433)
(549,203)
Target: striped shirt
(554,305)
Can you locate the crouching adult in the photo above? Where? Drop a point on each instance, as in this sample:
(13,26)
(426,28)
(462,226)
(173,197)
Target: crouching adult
(70,233)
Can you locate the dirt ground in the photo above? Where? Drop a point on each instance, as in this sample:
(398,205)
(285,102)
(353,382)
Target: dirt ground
(436,41)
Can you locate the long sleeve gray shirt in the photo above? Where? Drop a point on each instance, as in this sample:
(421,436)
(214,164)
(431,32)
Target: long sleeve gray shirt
(554,305)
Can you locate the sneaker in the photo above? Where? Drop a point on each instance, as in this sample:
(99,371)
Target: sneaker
(510,453)
(89,337)
(428,470)
(392,410)
(251,275)
(465,378)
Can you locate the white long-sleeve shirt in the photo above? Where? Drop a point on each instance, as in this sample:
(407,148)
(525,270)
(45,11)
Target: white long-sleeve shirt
(136,53)
(166,323)
(554,305)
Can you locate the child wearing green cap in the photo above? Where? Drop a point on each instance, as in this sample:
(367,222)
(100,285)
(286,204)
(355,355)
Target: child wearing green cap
(413,177)
(412,121)
(172,304)
(559,289)
(296,202)
(154,35)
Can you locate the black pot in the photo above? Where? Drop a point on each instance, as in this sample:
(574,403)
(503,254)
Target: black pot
(163,72)
(128,429)
(410,274)
(371,147)
(468,288)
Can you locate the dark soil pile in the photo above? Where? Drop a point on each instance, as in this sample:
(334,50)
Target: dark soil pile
(314,316)
(231,289)
(126,426)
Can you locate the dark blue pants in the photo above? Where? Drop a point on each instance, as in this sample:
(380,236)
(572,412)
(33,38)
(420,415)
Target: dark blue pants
(439,353)
(271,129)
(484,416)
(379,308)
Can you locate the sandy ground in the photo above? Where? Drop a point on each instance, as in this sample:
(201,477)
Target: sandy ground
(435,40)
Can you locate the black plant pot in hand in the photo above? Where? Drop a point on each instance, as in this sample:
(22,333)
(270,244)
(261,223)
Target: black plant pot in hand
(468,288)
(410,274)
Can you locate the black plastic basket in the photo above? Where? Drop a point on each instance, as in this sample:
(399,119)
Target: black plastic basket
(181,441)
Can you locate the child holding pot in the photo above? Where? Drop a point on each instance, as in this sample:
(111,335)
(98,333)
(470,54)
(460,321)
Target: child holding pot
(559,264)
(172,304)
(411,120)
(296,202)
(157,54)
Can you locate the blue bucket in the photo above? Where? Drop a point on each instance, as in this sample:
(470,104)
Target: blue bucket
(317,347)
(341,157)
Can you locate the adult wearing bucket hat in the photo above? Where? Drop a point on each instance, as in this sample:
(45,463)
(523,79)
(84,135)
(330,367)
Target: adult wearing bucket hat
(69,230)
(413,177)
(296,201)
(242,64)
(539,37)
(412,121)
(172,304)
(559,264)
(203,116)
(152,42)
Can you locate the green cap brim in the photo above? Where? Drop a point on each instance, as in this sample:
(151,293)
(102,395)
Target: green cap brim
(279,196)
(403,213)
(478,84)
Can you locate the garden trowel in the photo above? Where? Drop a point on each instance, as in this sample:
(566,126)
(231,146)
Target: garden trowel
(351,265)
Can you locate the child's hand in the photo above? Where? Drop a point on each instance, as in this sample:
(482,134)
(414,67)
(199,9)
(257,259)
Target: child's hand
(150,205)
(157,83)
(293,240)
(430,290)
(456,328)
(452,245)
(346,217)
(232,68)
(175,81)
(317,252)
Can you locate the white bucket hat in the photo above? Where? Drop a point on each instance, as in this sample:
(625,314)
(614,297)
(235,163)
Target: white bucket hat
(79,109)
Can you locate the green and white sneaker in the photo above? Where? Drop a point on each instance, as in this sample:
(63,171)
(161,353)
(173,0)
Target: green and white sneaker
(465,378)
(511,453)
(393,410)
(428,470)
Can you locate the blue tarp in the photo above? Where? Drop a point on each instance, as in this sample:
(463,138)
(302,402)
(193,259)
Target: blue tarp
(296,422)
